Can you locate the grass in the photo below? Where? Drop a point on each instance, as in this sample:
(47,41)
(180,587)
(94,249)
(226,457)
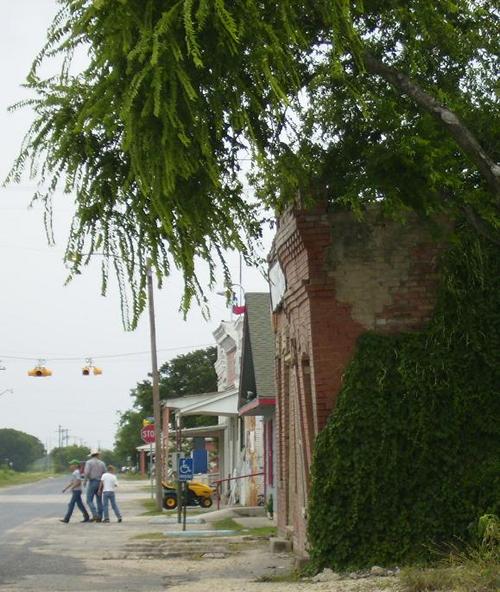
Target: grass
(472,570)
(8,477)
(293,576)
(227,524)
(230,524)
(263,531)
(150,507)
(153,536)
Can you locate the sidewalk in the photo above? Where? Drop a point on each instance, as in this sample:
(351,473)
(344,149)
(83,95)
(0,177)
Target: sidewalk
(127,556)
(134,555)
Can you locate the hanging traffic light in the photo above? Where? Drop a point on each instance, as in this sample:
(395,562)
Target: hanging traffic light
(39,371)
(90,368)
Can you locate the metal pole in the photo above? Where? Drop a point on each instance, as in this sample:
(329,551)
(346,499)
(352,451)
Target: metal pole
(179,455)
(184,501)
(151,468)
(156,395)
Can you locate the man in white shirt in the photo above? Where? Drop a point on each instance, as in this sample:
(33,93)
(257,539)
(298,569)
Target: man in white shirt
(109,483)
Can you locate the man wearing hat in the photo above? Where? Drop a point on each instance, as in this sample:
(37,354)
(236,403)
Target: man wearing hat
(76,493)
(94,470)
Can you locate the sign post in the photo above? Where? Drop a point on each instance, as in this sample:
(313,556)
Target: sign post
(148,437)
(185,474)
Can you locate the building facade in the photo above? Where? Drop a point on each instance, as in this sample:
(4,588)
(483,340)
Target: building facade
(332,279)
(257,398)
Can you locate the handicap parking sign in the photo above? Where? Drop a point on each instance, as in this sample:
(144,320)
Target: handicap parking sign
(185,471)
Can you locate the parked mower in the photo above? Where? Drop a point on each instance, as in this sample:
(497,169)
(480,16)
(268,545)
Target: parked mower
(199,494)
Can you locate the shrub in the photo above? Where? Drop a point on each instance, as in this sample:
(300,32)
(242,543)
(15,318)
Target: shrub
(410,456)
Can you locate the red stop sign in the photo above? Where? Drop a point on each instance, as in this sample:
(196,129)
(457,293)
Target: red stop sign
(148,434)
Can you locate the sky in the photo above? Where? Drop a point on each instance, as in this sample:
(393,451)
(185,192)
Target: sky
(40,318)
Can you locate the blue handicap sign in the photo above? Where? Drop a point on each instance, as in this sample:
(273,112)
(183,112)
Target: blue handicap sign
(185,472)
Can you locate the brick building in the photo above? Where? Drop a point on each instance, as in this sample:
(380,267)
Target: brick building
(332,279)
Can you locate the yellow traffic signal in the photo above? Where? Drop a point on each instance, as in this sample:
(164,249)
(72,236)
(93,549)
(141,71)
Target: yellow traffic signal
(146,422)
(39,371)
(90,368)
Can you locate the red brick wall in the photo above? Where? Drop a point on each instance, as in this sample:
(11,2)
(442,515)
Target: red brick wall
(343,278)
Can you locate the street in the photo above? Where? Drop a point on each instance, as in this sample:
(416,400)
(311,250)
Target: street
(19,506)
(24,502)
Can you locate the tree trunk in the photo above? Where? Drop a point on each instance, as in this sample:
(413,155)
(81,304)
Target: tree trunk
(449,120)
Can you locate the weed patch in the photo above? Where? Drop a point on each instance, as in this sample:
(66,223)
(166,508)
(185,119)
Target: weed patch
(472,570)
(8,477)
(150,507)
(153,536)
(227,524)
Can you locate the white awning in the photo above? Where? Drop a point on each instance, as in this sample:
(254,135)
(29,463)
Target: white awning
(224,404)
(187,401)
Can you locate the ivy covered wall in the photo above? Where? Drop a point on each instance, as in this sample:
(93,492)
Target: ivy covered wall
(411,454)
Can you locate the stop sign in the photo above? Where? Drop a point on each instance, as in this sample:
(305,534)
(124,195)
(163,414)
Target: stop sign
(148,434)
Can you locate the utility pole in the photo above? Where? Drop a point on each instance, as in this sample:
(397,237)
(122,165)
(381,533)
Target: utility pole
(156,395)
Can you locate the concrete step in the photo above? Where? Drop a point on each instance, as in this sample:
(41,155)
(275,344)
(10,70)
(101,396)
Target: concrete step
(155,549)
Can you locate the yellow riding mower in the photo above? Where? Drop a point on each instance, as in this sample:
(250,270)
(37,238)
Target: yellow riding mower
(199,494)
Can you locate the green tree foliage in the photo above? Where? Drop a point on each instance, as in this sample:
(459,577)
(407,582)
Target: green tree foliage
(110,457)
(63,455)
(413,117)
(346,100)
(18,449)
(410,457)
(128,436)
(186,374)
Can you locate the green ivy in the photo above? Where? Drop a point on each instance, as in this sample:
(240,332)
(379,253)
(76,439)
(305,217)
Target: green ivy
(411,455)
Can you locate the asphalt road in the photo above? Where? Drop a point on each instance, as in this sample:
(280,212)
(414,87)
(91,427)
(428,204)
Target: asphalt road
(18,506)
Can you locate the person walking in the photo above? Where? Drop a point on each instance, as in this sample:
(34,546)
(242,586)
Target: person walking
(109,483)
(94,470)
(76,493)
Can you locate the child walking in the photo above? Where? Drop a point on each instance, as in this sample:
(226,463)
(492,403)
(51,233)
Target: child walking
(76,493)
(109,483)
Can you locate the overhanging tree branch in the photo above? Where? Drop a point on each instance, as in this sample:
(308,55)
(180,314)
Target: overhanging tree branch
(462,135)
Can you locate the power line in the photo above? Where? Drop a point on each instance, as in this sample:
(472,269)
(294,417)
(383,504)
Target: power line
(27,358)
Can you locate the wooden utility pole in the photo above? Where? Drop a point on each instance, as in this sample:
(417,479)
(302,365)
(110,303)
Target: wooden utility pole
(156,395)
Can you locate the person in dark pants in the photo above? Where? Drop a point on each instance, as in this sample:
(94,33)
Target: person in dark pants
(109,483)
(94,470)
(75,485)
